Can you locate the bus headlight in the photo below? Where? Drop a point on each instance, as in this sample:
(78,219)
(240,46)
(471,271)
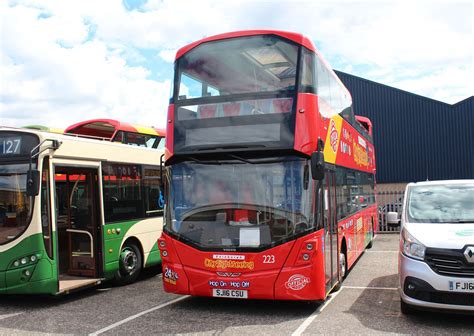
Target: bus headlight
(411,247)
(25,261)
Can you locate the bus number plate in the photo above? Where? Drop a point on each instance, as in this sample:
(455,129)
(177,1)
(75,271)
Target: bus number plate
(230,293)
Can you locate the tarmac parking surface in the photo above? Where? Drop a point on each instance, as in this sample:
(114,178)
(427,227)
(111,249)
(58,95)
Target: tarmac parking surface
(367,303)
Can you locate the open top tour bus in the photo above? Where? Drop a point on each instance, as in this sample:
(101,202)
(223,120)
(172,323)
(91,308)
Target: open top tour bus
(75,211)
(118,131)
(270,176)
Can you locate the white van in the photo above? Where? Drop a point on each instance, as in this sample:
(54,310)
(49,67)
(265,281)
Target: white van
(436,259)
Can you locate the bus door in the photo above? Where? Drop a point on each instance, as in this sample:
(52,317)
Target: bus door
(330,230)
(78,226)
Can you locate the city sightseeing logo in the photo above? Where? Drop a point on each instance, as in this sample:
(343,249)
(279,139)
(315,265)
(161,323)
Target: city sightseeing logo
(333,136)
(223,264)
(297,282)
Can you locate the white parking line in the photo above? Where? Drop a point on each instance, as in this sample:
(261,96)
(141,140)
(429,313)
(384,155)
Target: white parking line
(2,317)
(381,251)
(361,287)
(112,326)
(315,314)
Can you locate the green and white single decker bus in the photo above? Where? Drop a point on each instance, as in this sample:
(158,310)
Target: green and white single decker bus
(75,211)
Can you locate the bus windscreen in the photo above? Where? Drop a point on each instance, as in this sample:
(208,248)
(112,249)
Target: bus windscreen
(242,65)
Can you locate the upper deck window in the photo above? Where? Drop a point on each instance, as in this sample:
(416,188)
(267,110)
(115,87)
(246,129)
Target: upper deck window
(255,64)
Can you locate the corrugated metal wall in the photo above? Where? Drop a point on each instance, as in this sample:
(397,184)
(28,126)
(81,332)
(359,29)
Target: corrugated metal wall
(415,137)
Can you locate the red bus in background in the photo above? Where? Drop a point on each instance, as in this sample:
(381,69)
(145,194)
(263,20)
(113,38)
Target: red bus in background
(270,176)
(118,131)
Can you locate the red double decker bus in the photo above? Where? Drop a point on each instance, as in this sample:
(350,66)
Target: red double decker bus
(270,176)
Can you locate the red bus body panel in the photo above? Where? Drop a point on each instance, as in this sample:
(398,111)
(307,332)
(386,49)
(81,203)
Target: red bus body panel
(277,273)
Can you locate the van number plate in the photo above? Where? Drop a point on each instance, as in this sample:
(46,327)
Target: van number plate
(461,286)
(230,293)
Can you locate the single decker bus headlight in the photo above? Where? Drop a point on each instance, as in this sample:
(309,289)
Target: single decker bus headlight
(411,247)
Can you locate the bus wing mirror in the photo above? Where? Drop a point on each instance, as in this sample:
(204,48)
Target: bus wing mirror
(32,182)
(317,165)
(162,184)
(55,144)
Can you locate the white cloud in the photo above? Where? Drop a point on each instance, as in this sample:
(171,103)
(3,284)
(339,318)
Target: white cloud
(439,84)
(43,82)
(65,61)
(168,55)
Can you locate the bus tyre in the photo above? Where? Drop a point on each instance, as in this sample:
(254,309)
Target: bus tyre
(130,264)
(370,244)
(342,265)
(406,308)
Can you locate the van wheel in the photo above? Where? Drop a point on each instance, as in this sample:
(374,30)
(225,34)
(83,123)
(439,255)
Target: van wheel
(406,308)
(130,264)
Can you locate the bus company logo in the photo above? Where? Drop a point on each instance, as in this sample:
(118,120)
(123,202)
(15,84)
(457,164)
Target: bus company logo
(333,136)
(223,264)
(297,282)
(170,276)
(228,257)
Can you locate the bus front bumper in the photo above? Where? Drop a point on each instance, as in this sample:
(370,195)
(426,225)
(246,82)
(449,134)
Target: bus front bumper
(31,279)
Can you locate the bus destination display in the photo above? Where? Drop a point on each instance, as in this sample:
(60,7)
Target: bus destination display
(10,146)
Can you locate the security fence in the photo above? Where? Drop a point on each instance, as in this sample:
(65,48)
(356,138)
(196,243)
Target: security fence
(389,201)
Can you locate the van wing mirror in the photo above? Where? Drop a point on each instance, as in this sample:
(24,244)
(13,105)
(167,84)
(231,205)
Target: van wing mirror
(32,182)
(317,165)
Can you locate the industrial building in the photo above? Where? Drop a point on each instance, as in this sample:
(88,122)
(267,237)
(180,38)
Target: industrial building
(416,138)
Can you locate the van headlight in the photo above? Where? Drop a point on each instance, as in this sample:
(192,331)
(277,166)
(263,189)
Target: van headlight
(411,247)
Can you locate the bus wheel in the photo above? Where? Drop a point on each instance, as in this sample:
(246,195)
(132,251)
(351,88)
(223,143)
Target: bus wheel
(372,234)
(130,264)
(342,265)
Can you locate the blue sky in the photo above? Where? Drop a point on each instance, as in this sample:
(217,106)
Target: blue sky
(66,61)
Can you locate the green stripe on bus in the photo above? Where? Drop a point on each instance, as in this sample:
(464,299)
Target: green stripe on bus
(113,241)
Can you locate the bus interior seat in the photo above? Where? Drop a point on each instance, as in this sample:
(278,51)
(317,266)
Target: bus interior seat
(207,111)
(231,109)
(282,105)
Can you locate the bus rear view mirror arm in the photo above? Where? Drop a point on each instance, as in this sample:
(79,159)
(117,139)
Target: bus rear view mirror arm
(317,165)
(33,176)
